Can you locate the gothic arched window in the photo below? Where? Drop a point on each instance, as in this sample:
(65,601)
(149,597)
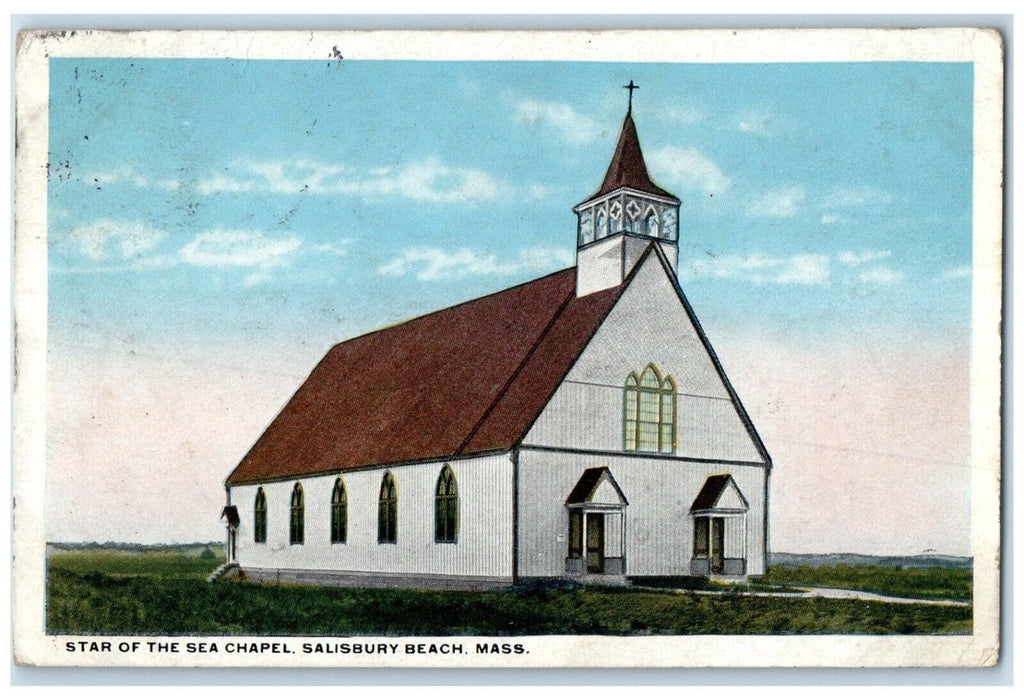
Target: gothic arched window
(297,524)
(387,511)
(586,227)
(632,216)
(649,415)
(668,228)
(339,513)
(615,218)
(446,507)
(259,516)
(651,222)
(602,223)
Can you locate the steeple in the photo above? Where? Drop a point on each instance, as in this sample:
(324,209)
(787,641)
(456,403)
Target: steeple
(627,213)
(628,168)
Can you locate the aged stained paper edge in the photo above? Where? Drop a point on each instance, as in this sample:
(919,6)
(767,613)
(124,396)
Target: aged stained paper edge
(982,47)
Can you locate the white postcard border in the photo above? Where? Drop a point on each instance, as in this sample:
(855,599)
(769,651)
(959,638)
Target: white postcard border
(982,47)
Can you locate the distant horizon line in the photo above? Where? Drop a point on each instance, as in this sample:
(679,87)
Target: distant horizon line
(220,543)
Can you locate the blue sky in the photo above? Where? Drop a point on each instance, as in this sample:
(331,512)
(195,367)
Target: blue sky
(216,225)
(229,199)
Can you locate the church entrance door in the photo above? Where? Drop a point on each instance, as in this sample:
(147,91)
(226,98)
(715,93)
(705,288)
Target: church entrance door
(595,543)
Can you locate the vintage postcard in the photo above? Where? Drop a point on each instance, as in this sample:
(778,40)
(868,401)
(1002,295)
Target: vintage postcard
(517,349)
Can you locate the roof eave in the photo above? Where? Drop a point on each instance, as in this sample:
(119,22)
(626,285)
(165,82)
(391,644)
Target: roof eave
(737,403)
(665,197)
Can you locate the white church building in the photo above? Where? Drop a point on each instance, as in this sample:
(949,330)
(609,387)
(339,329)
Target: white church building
(579,426)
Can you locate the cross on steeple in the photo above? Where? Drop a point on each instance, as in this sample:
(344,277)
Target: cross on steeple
(626,214)
(631,87)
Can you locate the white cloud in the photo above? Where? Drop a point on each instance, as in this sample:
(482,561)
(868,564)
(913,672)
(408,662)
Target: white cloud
(119,246)
(829,218)
(130,238)
(123,173)
(220,183)
(126,173)
(885,276)
(561,118)
(221,248)
(428,180)
(690,168)
(956,273)
(541,258)
(431,264)
(753,122)
(432,181)
(803,269)
(434,264)
(855,197)
(287,177)
(537,191)
(782,203)
(256,277)
(338,248)
(853,259)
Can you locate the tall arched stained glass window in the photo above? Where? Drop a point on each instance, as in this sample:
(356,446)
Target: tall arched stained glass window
(649,412)
(387,511)
(339,513)
(297,523)
(446,507)
(259,517)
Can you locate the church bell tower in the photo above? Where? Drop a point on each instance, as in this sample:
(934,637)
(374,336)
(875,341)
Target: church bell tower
(617,223)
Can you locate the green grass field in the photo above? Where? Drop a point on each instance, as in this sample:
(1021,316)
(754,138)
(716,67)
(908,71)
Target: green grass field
(935,583)
(157,592)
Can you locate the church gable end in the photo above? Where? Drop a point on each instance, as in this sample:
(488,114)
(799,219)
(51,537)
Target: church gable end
(650,325)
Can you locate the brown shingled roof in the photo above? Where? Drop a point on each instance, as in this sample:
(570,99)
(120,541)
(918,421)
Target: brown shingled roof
(712,490)
(468,379)
(584,489)
(627,168)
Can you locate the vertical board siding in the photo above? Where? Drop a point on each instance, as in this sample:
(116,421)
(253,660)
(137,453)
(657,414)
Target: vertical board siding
(659,528)
(613,535)
(483,546)
(599,266)
(735,528)
(647,325)
(578,416)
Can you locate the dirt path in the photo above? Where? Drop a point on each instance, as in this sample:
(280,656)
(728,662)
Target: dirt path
(836,593)
(844,593)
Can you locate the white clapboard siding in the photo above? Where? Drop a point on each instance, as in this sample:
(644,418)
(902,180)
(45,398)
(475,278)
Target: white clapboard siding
(483,547)
(734,536)
(658,524)
(588,416)
(648,325)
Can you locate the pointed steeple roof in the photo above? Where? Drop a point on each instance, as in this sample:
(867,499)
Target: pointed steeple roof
(627,168)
